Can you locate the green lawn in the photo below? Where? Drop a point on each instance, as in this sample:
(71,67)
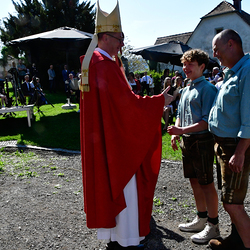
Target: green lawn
(57,128)
(167,151)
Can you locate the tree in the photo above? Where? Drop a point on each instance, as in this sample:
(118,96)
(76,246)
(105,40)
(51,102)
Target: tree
(70,13)
(4,59)
(36,16)
(135,63)
(39,16)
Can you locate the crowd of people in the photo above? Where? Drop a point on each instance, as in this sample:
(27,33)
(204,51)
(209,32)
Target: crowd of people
(30,85)
(20,78)
(26,82)
(142,84)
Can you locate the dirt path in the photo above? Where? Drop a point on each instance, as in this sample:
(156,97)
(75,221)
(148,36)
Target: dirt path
(41,204)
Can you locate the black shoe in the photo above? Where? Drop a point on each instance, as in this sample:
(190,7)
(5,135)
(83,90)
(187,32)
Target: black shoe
(139,247)
(111,245)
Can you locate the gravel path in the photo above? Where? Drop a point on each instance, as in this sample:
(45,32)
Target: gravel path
(41,204)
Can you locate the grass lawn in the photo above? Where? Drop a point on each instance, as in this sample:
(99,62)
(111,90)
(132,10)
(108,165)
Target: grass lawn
(167,151)
(57,128)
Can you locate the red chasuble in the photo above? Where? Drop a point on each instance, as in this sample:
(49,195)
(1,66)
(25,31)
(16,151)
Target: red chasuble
(120,137)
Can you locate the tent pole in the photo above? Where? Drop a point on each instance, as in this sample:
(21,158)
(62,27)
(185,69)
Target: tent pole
(173,70)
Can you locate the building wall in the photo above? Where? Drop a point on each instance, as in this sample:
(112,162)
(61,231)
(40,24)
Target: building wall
(206,30)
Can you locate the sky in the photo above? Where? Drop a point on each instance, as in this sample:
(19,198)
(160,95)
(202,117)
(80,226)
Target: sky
(144,20)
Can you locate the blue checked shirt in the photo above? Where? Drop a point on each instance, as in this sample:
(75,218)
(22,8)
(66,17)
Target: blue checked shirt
(196,102)
(230,114)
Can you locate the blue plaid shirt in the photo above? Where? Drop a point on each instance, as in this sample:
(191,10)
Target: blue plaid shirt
(196,102)
(230,114)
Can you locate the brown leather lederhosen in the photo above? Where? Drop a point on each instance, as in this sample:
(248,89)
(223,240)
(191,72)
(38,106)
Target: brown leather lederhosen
(234,185)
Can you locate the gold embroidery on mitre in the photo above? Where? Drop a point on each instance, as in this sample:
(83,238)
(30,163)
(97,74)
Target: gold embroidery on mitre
(110,28)
(108,22)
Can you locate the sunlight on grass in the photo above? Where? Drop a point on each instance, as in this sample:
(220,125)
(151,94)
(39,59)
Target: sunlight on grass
(58,128)
(55,127)
(167,151)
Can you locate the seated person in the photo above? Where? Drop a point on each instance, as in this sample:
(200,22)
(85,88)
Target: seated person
(39,96)
(4,101)
(28,89)
(72,87)
(68,89)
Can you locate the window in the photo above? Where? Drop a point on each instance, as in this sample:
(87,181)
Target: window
(218,30)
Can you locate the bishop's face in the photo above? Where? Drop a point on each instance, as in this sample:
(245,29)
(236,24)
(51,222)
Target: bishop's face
(114,42)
